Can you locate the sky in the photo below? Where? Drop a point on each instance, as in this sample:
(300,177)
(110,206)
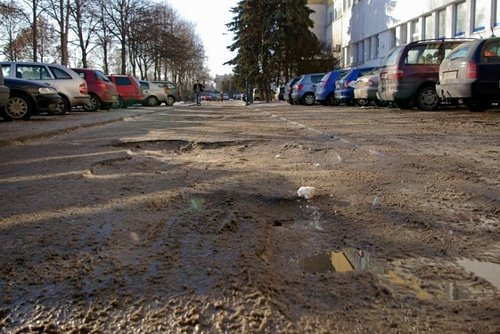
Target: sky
(209,19)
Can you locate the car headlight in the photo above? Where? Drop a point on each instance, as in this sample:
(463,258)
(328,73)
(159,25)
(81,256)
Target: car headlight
(47,90)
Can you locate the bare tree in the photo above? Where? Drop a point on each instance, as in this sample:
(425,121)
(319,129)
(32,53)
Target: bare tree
(84,25)
(59,10)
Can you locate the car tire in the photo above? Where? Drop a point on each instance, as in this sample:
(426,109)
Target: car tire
(64,106)
(308,99)
(18,107)
(151,101)
(170,100)
(332,101)
(350,103)
(478,106)
(380,103)
(94,104)
(427,98)
(362,102)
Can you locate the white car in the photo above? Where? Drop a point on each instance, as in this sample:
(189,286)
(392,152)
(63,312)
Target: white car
(158,92)
(71,87)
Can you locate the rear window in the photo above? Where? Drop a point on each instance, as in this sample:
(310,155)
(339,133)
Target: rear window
(316,78)
(144,85)
(423,54)
(101,76)
(59,73)
(459,52)
(392,58)
(123,81)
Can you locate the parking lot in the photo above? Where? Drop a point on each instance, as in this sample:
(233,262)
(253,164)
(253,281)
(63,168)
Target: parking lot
(188,219)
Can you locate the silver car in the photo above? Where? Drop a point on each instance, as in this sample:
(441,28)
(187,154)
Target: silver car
(71,87)
(304,89)
(158,92)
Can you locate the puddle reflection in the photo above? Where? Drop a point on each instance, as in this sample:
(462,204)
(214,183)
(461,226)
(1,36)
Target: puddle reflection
(349,259)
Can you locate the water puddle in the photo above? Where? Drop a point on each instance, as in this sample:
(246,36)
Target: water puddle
(486,270)
(346,260)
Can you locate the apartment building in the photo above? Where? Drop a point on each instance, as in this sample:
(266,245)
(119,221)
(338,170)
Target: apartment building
(361,32)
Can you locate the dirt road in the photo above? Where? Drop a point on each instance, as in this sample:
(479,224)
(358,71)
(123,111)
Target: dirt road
(188,220)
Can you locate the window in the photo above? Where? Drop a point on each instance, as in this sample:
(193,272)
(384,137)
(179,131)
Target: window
(123,81)
(491,53)
(423,54)
(337,10)
(414,31)
(442,23)
(428,27)
(403,34)
(374,47)
(59,73)
(460,19)
(33,72)
(497,15)
(481,11)
(394,40)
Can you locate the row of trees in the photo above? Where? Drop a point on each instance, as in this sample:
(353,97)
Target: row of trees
(272,39)
(144,38)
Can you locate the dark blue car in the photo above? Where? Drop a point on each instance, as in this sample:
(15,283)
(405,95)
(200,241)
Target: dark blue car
(325,91)
(344,87)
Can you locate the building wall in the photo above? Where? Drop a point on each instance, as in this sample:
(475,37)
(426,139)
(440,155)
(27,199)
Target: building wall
(361,32)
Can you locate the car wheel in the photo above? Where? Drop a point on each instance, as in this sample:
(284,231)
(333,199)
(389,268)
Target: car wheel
(308,99)
(380,103)
(63,107)
(94,103)
(350,103)
(119,104)
(332,101)
(477,106)
(427,98)
(362,102)
(170,100)
(152,101)
(17,107)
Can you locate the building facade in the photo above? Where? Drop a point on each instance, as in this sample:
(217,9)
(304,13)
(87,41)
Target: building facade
(361,32)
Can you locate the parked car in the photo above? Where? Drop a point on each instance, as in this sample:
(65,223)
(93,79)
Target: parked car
(325,90)
(101,90)
(366,89)
(305,87)
(287,94)
(411,71)
(158,92)
(344,86)
(471,73)
(259,95)
(128,88)
(4,92)
(71,87)
(29,98)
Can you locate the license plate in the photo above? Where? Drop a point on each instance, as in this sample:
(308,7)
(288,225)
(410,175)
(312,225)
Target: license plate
(450,75)
(383,75)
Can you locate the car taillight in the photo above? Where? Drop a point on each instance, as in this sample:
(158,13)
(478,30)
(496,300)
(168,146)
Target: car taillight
(471,70)
(83,89)
(395,74)
(300,86)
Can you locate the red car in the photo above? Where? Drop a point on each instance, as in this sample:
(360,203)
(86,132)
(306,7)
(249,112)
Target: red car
(101,90)
(129,89)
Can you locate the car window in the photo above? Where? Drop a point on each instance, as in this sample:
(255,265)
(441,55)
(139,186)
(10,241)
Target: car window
(491,52)
(144,85)
(32,72)
(392,58)
(101,76)
(423,54)
(6,70)
(82,75)
(316,78)
(123,81)
(59,73)
(170,85)
(459,52)
(366,71)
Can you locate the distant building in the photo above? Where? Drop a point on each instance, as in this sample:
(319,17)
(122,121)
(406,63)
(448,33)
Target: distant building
(361,32)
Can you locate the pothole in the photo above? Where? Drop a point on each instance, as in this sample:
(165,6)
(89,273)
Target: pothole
(346,260)
(171,145)
(486,270)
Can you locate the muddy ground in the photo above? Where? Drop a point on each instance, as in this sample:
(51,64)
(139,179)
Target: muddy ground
(188,220)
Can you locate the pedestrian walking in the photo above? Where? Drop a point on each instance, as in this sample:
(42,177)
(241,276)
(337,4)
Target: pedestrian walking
(197,89)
